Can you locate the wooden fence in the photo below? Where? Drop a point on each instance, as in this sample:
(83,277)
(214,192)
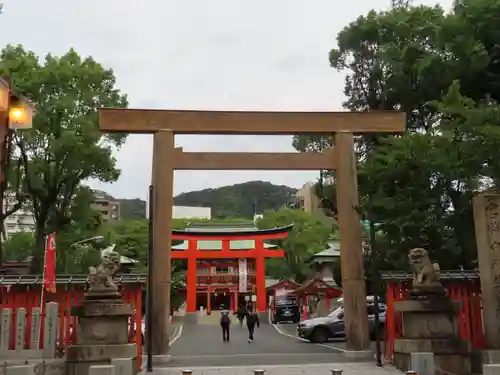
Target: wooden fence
(24,292)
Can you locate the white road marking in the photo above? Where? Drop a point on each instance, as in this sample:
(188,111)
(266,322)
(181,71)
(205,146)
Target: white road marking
(283,333)
(176,336)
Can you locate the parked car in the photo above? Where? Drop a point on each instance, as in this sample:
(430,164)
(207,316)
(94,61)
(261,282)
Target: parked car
(286,310)
(332,326)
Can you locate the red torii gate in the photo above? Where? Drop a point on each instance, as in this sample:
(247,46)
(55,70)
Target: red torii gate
(259,253)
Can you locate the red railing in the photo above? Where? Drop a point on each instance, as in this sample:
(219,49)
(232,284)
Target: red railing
(470,317)
(67,325)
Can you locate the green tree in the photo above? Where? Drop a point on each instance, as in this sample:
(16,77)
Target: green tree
(425,183)
(132,237)
(84,223)
(308,236)
(424,62)
(65,145)
(12,189)
(19,246)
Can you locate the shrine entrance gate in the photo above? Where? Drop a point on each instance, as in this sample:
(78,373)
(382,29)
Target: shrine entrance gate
(164,124)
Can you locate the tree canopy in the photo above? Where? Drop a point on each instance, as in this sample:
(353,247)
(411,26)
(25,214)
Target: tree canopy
(65,146)
(84,225)
(308,236)
(441,69)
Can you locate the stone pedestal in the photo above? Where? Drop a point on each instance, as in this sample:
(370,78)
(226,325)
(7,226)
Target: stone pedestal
(102,333)
(481,357)
(431,325)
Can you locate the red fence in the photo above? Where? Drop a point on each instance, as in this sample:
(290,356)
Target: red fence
(14,297)
(470,317)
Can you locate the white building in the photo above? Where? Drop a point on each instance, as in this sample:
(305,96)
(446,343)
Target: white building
(23,220)
(185,212)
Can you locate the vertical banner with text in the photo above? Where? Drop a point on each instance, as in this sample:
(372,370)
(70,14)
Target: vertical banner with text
(243,275)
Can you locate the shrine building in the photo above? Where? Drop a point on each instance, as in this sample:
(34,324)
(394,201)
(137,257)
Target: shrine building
(226,264)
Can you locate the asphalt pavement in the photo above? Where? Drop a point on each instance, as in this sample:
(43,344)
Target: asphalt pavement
(202,345)
(335,343)
(315,369)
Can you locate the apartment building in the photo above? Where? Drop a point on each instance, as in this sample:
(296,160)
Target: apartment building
(307,200)
(23,220)
(109,209)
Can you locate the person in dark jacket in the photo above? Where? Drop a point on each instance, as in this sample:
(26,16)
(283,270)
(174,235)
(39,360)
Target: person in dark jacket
(225,323)
(252,321)
(242,312)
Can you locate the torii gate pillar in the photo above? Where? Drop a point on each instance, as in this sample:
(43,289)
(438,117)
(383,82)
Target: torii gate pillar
(351,248)
(163,189)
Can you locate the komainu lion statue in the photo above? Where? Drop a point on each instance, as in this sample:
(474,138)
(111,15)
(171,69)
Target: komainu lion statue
(101,278)
(426,275)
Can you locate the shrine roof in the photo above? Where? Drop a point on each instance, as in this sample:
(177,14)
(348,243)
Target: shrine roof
(218,227)
(217,245)
(316,284)
(275,283)
(445,275)
(129,278)
(332,251)
(240,230)
(271,282)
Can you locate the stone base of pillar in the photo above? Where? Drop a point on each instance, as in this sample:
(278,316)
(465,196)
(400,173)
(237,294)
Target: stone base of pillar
(484,357)
(79,358)
(158,359)
(430,325)
(102,331)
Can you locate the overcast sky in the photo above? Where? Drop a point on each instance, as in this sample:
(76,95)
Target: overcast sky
(199,54)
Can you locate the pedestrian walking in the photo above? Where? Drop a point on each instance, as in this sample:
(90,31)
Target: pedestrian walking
(225,323)
(241,313)
(252,321)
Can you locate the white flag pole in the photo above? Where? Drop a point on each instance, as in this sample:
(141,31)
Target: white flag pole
(42,293)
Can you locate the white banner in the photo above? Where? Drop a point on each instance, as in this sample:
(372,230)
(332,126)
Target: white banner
(243,275)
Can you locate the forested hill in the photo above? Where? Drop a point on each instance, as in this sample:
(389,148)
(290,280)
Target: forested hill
(238,200)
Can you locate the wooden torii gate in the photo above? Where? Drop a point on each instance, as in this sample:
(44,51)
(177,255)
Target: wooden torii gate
(164,124)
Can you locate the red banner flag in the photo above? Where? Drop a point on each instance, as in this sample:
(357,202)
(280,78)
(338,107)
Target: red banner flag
(50,264)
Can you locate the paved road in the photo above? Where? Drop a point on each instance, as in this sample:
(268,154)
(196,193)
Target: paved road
(317,369)
(336,343)
(202,345)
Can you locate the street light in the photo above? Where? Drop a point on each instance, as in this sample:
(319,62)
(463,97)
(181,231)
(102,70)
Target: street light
(90,239)
(75,244)
(16,112)
(20,115)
